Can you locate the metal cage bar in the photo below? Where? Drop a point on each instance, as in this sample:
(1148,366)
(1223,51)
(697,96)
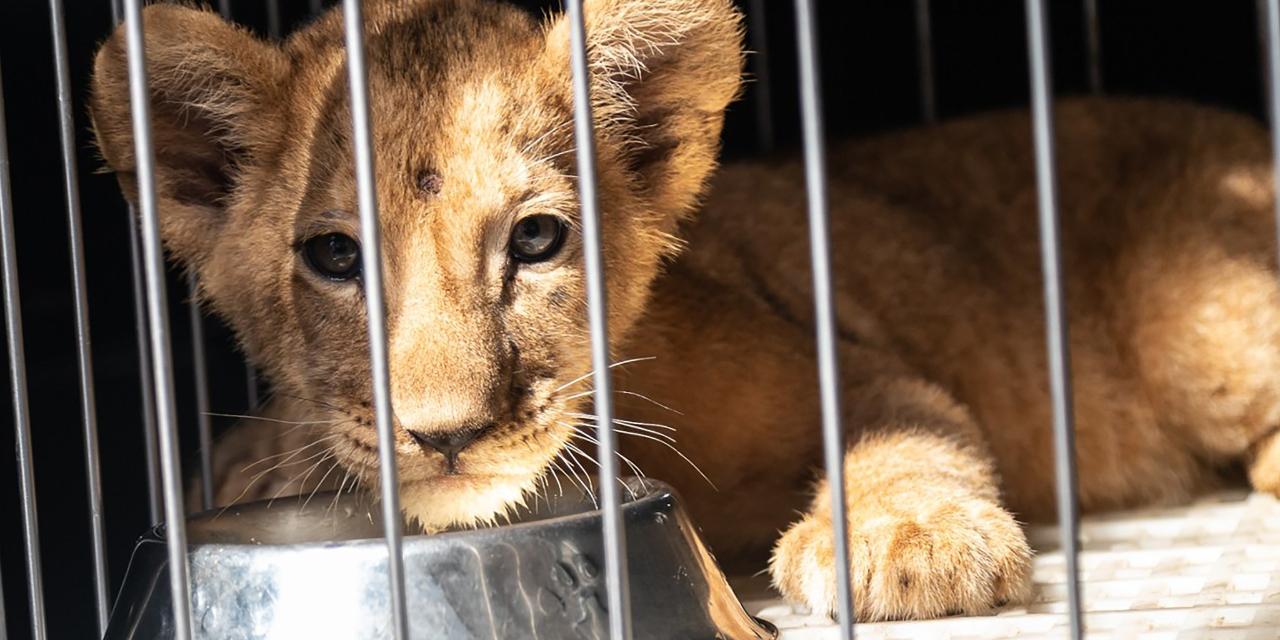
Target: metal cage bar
(146,391)
(924,63)
(1093,45)
(815,174)
(250,373)
(84,351)
(251,386)
(615,540)
(273,19)
(199,362)
(1271,17)
(1056,336)
(162,361)
(371,252)
(145,377)
(4,621)
(763,94)
(18,383)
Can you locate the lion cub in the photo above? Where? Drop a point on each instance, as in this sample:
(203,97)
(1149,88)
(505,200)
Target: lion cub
(1174,304)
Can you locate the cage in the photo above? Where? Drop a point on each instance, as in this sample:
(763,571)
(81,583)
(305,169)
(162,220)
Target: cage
(106,465)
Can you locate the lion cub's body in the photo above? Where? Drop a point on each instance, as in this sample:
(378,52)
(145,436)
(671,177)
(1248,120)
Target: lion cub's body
(1172,297)
(1167,242)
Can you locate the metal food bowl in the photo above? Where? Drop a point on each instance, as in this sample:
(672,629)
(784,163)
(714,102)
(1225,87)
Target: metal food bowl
(288,571)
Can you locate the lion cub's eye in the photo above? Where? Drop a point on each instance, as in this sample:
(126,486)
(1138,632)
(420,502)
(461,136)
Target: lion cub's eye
(333,255)
(537,238)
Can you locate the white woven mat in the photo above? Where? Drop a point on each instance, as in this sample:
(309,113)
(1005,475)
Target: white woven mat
(1210,569)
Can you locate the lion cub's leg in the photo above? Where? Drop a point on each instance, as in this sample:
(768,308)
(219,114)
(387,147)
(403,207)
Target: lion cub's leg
(1203,316)
(927,533)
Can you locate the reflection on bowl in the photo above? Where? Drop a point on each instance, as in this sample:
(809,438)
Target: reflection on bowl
(319,571)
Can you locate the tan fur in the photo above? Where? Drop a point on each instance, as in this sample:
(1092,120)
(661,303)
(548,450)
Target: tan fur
(1173,300)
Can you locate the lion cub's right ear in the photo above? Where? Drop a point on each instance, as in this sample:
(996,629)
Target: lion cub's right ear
(214,94)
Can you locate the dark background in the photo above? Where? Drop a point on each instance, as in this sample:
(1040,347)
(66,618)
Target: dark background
(1207,51)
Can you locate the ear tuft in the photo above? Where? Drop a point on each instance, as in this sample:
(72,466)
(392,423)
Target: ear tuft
(663,72)
(213,92)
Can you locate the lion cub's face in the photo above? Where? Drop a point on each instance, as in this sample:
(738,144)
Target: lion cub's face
(484,282)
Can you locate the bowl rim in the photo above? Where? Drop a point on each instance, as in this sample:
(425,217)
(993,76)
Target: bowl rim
(639,493)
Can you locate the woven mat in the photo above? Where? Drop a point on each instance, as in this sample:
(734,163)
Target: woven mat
(1210,569)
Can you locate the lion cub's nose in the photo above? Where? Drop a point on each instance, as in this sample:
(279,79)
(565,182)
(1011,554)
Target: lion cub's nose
(450,443)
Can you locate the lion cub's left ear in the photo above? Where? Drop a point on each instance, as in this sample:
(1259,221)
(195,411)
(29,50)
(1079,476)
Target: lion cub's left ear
(662,73)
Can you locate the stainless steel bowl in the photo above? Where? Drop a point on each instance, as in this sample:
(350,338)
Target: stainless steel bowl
(285,571)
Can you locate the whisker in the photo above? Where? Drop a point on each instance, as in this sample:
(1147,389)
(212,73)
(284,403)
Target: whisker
(290,453)
(254,480)
(538,490)
(634,469)
(294,478)
(311,400)
(672,447)
(622,421)
(333,504)
(569,472)
(648,399)
(286,463)
(587,484)
(555,155)
(275,420)
(319,484)
(625,392)
(564,124)
(556,477)
(648,435)
(589,373)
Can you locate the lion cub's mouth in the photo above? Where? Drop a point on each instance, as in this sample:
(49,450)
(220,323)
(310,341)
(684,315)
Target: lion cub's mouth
(459,481)
(463,500)
(436,496)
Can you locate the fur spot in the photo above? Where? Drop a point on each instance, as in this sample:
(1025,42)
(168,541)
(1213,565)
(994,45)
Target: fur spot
(428,183)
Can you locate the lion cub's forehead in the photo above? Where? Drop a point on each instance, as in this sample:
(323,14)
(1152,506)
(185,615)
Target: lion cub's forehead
(464,118)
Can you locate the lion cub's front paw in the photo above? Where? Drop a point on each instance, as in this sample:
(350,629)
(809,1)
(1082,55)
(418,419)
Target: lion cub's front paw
(1263,464)
(966,557)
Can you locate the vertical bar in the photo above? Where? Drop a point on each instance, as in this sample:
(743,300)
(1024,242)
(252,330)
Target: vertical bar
(1272,69)
(615,541)
(84,352)
(1264,68)
(250,374)
(18,380)
(4,622)
(144,350)
(149,426)
(1055,305)
(251,386)
(162,360)
(1093,41)
(924,62)
(763,90)
(371,251)
(824,310)
(273,19)
(199,363)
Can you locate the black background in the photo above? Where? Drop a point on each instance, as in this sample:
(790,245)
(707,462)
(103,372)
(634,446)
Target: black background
(1203,50)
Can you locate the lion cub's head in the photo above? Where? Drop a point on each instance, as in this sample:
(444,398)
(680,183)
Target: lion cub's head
(471,104)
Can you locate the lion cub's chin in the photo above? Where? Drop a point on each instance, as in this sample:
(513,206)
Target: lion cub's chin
(465,500)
